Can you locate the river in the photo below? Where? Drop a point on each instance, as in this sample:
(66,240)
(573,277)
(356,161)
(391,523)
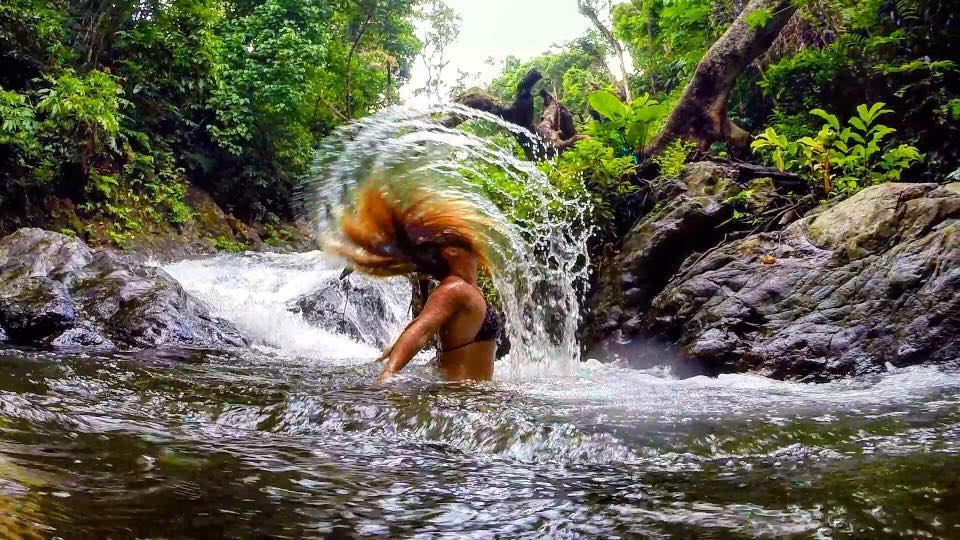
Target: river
(289,438)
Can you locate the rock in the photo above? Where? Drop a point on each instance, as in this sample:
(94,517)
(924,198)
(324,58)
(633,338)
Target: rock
(367,310)
(35,307)
(871,280)
(55,291)
(686,220)
(208,216)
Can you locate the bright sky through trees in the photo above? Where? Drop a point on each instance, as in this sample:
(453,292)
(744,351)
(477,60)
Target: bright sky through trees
(498,28)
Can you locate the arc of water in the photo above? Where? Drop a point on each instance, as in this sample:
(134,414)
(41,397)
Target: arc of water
(539,236)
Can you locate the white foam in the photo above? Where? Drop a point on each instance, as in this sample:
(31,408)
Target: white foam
(253,290)
(653,393)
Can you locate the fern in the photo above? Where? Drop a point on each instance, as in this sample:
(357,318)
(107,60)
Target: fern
(908,10)
(673,158)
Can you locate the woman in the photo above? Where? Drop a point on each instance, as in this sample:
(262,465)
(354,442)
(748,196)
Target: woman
(388,233)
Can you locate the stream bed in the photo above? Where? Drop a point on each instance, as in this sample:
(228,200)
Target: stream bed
(290,438)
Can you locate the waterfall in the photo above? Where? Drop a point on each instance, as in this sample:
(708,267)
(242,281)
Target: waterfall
(258,292)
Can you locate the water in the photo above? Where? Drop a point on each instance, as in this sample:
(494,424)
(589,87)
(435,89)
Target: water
(537,235)
(289,438)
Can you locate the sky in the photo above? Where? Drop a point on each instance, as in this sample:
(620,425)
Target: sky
(498,28)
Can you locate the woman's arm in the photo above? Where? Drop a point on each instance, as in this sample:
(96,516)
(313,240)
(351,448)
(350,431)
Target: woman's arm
(440,306)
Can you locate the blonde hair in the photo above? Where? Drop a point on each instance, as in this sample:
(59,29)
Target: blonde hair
(390,231)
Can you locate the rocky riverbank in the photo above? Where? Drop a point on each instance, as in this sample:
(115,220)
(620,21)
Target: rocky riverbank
(846,290)
(57,292)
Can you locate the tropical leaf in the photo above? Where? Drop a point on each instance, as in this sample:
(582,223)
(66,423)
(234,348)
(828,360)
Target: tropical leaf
(607,104)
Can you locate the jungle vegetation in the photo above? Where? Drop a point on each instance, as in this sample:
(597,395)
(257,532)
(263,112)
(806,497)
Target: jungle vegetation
(111,110)
(842,93)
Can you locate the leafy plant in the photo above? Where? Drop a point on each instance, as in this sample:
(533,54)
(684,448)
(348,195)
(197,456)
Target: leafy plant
(673,158)
(744,205)
(592,168)
(18,123)
(840,159)
(88,104)
(758,18)
(633,121)
(222,243)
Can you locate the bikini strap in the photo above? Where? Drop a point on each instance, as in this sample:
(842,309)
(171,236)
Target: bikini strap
(451,349)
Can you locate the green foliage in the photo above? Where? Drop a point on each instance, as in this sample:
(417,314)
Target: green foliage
(758,18)
(628,124)
(568,73)
(744,205)
(120,106)
(841,159)
(18,123)
(952,109)
(854,51)
(667,38)
(592,169)
(89,105)
(222,243)
(673,158)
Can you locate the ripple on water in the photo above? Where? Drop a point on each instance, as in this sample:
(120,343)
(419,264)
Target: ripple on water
(262,443)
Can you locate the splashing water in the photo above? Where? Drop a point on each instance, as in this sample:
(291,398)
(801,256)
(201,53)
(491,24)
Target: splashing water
(538,237)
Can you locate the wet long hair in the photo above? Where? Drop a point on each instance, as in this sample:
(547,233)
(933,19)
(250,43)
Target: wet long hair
(389,232)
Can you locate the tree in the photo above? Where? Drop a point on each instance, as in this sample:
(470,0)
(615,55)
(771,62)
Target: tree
(589,9)
(667,38)
(581,58)
(701,113)
(555,126)
(138,98)
(443,26)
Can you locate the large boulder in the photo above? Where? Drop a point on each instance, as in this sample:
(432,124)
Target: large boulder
(55,291)
(367,310)
(691,216)
(844,291)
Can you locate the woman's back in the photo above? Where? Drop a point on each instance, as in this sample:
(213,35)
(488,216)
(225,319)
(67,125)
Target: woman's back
(465,351)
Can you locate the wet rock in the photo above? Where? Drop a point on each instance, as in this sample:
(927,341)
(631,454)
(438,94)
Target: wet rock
(687,219)
(367,310)
(35,307)
(55,291)
(871,280)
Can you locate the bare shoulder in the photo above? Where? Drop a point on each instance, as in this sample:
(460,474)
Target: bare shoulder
(455,290)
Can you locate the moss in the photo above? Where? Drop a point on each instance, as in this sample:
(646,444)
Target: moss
(222,243)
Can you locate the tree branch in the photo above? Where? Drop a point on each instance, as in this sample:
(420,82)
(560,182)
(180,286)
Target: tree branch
(353,47)
(588,11)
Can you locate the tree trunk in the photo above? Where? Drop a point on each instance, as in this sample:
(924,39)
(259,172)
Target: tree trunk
(520,112)
(353,47)
(555,127)
(701,114)
(590,12)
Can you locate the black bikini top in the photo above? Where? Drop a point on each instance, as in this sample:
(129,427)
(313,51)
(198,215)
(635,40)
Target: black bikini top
(491,329)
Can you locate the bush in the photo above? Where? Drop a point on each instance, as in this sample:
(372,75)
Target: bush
(630,125)
(592,169)
(840,160)
(673,159)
